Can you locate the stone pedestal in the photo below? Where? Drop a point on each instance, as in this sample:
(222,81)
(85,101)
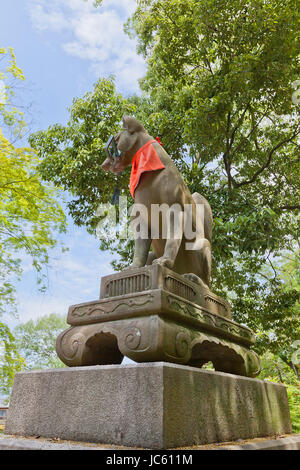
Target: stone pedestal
(154,314)
(153,405)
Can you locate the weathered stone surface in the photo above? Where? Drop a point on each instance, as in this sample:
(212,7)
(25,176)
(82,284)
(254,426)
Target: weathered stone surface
(154,314)
(154,405)
(156,277)
(155,338)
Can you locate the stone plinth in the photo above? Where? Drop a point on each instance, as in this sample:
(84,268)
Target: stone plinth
(153,405)
(153,314)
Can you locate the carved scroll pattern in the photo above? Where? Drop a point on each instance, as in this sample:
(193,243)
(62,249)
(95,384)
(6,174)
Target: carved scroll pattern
(111,307)
(209,318)
(70,345)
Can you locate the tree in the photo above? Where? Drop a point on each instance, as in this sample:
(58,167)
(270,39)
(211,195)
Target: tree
(10,360)
(288,271)
(273,367)
(30,215)
(275,370)
(218,91)
(36,339)
(220,82)
(71,154)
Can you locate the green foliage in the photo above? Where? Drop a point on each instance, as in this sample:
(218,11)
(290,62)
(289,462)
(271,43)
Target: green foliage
(97,3)
(35,341)
(29,211)
(10,116)
(277,370)
(71,155)
(30,216)
(293,392)
(283,314)
(10,359)
(218,92)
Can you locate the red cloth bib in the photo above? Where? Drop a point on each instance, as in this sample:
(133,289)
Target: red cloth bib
(145,159)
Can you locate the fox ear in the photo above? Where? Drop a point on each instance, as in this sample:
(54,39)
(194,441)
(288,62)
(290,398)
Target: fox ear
(125,122)
(132,125)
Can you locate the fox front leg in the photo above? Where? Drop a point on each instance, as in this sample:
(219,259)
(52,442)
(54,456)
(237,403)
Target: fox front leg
(174,238)
(170,253)
(141,251)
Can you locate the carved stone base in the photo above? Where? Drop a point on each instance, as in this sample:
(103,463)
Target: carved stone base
(153,314)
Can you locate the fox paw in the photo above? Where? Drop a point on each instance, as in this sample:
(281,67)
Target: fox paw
(196,279)
(168,263)
(132,266)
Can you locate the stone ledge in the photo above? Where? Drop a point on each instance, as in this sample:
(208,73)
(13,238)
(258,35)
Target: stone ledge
(287,443)
(17,443)
(7,442)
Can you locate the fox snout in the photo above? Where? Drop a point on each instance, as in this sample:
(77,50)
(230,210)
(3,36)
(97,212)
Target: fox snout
(106,165)
(114,166)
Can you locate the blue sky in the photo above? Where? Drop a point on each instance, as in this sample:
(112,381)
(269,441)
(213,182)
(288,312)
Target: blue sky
(63,46)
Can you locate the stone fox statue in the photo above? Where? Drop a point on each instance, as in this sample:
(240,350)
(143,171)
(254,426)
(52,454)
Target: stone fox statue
(155,180)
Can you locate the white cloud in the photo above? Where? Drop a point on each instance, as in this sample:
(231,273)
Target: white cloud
(93,34)
(48,20)
(34,307)
(128,5)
